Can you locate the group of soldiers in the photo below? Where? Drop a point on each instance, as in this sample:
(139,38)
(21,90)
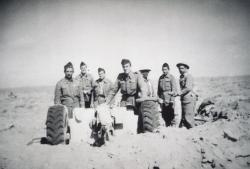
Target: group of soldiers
(84,91)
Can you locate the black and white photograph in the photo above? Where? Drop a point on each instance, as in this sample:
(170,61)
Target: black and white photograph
(122,84)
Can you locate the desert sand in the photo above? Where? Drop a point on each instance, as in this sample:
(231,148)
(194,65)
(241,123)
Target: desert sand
(217,143)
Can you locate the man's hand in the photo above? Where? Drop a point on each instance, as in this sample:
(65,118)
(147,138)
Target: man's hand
(87,92)
(111,106)
(160,101)
(171,93)
(177,94)
(92,105)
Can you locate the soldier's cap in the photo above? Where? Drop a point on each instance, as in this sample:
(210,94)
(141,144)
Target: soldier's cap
(165,65)
(68,65)
(82,64)
(101,69)
(182,64)
(145,70)
(125,61)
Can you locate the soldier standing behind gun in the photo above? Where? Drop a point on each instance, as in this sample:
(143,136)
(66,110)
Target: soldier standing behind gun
(102,88)
(166,90)
(67,91)
(130,83)
(86,83)
(188,97)
(149,83)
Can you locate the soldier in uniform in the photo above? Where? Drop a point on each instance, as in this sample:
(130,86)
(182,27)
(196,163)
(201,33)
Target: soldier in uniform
(149,83)
(166,90)
(86,83)
(130,83)
(67,91)
(188,97)
(102,88)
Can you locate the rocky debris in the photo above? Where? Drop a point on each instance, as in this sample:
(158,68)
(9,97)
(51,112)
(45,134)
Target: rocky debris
(247,100)
(211,110)
(12,95)
(155,165)
(207,158)
(3,162)
(225,144)
(234,105)
(8,128)
(206,102)
(231,136)
(4,111)
(210,113)
(243,156)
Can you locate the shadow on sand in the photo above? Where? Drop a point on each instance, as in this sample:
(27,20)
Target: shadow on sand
(41,140)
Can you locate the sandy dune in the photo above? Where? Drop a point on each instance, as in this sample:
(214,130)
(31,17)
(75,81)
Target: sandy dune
(224,143)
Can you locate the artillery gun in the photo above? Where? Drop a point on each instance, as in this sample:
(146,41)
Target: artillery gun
(100,123)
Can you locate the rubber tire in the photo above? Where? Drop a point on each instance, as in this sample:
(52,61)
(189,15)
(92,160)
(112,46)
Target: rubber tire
(57,125)
(149,116)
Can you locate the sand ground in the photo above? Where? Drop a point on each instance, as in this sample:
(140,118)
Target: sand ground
(224,143)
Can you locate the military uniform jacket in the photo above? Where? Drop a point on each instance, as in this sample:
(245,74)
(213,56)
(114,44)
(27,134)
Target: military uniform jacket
(186,86)
(150,88)
(86,83)
(101,90)
(130,84)
(166,84)
(67,92)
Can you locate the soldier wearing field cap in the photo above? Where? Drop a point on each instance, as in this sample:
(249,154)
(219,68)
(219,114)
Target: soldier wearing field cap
(167,89)
(148,82)
(188,97)
(86,82)
(67,91)
(130,83)
(102,87)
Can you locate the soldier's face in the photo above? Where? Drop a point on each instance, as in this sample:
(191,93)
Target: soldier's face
(165,70)
(83,69)
(182,69)
(101,74)
(126,68)
(69,73)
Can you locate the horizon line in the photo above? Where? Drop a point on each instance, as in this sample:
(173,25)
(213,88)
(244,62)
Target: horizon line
(196,77)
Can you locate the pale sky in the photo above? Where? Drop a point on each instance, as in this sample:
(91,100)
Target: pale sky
(37,38)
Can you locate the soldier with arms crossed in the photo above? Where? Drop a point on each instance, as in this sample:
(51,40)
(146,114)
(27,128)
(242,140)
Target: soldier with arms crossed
(86,83)
(102,88)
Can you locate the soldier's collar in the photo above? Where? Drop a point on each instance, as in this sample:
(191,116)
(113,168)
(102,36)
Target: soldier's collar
(69,80)
(183,75)
(102,80)
(85,75)
(167,75)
